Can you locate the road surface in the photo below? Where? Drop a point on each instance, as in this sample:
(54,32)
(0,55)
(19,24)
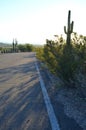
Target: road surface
(22,105)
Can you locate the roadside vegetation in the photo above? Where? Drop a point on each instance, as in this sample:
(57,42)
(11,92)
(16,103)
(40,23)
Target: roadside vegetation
(66,58)
(62,59)
(17,48)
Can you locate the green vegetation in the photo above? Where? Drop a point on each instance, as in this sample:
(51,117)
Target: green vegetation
(15,47)
(40,52)
(65,58)
(25,47)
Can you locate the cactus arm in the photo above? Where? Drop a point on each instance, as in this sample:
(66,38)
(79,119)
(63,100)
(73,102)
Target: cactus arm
(65,30)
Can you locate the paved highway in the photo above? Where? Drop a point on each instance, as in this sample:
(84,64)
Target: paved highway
(22,105)
(24,102)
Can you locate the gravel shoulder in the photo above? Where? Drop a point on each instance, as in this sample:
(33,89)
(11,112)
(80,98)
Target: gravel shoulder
(69,107)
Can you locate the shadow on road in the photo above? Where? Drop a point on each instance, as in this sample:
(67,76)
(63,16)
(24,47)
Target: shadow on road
(21,105)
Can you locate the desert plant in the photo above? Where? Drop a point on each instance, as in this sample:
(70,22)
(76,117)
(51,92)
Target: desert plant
(69,29)
(13,44)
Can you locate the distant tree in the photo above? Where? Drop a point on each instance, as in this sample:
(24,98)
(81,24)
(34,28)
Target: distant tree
(0,48)
(29,47)
(25,47)
(22,48)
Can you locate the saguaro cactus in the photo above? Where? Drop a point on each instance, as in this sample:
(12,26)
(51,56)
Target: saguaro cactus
(69,29)
(16,45)
(13,45)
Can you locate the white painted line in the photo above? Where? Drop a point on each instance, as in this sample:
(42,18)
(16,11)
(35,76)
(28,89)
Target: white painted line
(50,110)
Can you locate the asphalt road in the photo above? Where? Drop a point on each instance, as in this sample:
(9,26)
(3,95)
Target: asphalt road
(22,105)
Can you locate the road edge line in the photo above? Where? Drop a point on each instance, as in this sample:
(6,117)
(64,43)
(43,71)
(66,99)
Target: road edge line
(50,110)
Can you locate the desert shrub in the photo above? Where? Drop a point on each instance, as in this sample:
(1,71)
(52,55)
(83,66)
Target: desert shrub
(39,53)
(65,59)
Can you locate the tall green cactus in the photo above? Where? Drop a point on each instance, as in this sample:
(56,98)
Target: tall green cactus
(69,29)
(13,45)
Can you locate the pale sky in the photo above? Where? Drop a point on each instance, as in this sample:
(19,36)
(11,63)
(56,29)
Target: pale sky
(33,21)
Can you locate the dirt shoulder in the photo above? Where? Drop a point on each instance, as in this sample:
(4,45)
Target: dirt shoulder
(69,107)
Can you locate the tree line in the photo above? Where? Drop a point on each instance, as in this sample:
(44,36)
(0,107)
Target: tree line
(15,48)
